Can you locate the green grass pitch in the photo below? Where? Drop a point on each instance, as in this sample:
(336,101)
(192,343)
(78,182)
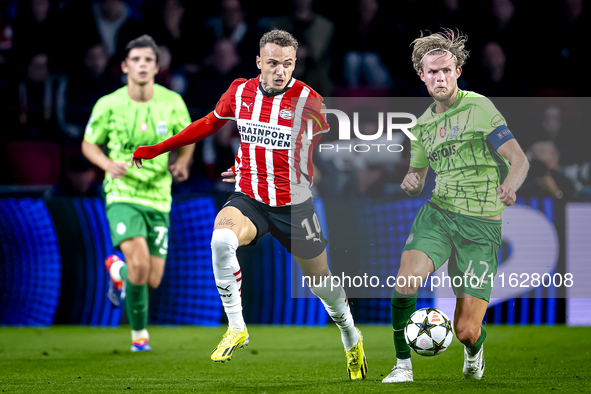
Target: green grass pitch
(282,360)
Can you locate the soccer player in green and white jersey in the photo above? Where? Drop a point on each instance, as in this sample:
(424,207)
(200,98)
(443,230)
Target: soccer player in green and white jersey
(138,202)
(479,166)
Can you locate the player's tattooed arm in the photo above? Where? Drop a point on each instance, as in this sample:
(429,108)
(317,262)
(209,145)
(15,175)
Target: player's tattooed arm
(511,151)
(414,181)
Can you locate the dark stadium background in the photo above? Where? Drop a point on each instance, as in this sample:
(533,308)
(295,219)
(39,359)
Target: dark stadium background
(54,66)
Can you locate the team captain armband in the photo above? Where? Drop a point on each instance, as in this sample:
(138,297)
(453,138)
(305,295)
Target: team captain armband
(499,136)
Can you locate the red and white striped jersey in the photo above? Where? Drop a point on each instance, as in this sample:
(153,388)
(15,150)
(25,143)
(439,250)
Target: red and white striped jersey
(274,162)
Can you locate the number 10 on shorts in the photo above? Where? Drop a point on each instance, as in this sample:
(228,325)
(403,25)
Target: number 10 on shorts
(306,225)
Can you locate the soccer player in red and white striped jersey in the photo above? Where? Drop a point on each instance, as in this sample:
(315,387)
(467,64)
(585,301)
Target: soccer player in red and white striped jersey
(280,121)
(273,163)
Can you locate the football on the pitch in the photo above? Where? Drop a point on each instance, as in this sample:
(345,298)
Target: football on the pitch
(428,332)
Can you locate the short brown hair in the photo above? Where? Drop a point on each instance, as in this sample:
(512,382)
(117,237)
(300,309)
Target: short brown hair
(278,37)
(447,40)
(144,41)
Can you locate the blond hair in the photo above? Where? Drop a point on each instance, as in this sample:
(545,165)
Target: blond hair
(448,41)
(278,37)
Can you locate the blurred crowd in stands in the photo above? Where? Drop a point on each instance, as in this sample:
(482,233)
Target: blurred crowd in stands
(57,58)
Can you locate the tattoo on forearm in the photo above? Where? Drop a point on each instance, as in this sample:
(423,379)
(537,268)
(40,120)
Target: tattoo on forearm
(225,222)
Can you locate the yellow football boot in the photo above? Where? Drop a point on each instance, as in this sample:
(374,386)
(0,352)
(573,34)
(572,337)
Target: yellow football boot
(231,341)
(356,360)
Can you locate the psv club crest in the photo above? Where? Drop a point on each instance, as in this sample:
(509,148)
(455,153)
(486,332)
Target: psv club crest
(286,114)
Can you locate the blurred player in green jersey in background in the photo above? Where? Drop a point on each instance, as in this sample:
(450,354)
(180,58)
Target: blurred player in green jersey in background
(479,166)
(137,202)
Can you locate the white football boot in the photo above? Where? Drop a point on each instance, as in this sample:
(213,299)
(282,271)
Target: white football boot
(399,374)
(474,366)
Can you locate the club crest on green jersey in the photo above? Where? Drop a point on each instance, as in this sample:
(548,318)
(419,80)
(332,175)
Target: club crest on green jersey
(455,131)
(410,238)
(143,127)
(161,128)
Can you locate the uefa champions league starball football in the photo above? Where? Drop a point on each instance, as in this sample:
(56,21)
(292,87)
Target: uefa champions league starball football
(428,332)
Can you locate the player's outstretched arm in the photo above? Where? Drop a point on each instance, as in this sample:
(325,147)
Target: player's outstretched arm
(511,151)
(414,181)
(195,132)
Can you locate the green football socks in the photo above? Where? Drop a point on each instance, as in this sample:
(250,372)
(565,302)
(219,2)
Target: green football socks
(123,272)
(136,302)
(402,306)
(474,349)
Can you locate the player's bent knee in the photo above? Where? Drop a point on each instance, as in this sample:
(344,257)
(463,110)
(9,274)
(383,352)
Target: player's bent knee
(315,271)
(138,271)
(224,243)
(408,282)
(416,262)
